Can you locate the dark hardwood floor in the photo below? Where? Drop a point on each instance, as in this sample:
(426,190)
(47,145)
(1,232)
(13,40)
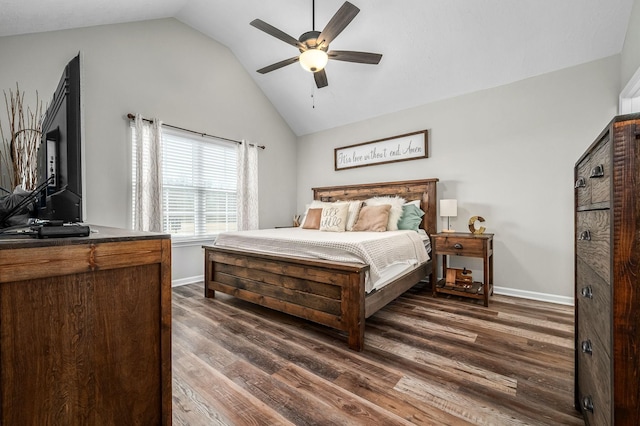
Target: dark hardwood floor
(426,361)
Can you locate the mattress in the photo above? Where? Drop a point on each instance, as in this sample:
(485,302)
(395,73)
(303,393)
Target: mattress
(388,254)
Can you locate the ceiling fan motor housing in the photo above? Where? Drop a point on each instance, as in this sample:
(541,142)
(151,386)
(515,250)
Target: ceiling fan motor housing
(310,39)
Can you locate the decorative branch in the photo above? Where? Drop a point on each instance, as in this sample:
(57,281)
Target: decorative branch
(21,147)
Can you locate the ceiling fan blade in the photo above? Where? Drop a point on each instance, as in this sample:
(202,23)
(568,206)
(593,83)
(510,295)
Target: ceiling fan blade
(337,23)
(359,57)
(273,31)
(278,65)
(321,79)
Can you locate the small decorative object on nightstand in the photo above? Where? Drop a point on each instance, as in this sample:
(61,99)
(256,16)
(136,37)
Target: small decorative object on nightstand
(463,244)
(472,225)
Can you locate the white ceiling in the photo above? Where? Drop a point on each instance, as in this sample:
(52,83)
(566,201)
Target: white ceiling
(432,49)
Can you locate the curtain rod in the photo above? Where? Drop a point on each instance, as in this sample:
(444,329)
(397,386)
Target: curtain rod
(133,117)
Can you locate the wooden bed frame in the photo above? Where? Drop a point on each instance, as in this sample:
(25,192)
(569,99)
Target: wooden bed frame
(328,293)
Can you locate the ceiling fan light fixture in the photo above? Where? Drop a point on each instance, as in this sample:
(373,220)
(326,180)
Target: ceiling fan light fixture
(314,60)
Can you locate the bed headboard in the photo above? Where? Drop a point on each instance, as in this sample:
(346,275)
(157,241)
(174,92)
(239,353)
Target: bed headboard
(423,190)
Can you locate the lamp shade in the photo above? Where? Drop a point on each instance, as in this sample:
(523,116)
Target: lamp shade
(449,208)
(313,60)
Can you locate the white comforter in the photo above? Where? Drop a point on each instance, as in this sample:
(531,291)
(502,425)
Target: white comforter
(388,254)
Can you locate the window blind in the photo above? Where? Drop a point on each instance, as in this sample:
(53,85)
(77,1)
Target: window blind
(199,185)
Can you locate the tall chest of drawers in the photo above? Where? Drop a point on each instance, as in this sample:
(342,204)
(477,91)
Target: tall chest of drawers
(607,276)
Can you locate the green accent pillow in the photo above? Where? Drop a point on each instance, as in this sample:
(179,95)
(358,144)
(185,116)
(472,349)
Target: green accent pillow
(411,217)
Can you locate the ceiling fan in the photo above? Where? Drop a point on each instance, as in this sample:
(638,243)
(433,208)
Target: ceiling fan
(314,45)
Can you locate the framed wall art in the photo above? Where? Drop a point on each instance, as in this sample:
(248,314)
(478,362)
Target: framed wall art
(410,146)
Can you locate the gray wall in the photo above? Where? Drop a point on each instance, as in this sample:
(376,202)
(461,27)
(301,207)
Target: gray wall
(160,69)
(506,154)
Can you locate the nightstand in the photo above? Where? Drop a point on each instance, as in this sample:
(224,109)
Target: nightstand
(448,244)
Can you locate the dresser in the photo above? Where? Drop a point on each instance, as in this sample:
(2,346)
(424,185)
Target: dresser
(607,276)
(85,329)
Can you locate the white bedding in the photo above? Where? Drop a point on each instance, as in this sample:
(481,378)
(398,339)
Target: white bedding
(388,254)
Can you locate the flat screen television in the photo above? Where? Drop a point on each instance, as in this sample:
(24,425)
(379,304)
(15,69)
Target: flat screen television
(60,152)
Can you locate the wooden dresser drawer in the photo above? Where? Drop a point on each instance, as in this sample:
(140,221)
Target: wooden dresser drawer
(594,378)
(593,297)
(593,241)
(593,177)
(452,245)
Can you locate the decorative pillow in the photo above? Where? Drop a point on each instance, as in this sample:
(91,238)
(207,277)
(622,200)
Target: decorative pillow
(334,217)
(373,218)
(411,217)
(414,202)
(352,216)
(312,221)
(396,204)
(315,204)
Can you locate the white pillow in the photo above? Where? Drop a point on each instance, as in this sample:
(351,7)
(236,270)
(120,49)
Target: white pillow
(352,216)
(396,209)
(334,217)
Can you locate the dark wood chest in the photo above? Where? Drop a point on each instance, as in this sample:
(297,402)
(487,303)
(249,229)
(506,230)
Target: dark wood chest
(85,329)
(607,275)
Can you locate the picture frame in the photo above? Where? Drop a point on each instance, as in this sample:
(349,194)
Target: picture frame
(409,146)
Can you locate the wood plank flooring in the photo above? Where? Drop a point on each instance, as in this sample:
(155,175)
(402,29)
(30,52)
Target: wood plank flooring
(426,361)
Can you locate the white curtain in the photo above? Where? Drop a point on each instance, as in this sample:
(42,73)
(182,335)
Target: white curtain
(148,191)
(247,186)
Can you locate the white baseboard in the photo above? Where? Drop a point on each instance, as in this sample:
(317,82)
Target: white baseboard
(544,297)
(188,280)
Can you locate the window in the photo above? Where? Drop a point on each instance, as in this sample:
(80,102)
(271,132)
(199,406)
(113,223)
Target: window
(199,180)
(630,95)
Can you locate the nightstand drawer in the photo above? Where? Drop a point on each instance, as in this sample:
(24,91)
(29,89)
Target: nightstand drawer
(459,246)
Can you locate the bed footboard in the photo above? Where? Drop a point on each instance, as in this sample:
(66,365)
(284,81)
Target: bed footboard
(327,293)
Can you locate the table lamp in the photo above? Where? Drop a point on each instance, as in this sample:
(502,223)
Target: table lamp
(448,209)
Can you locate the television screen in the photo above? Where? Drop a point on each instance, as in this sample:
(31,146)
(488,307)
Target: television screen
(60,151)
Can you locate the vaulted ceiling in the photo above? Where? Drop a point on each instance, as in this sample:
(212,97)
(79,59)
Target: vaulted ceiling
(432,49)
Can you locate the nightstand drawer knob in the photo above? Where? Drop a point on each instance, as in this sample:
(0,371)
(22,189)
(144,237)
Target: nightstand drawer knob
(457,246)
(585,236)
(587,348)
(587,403)
(587,292)
(580,183)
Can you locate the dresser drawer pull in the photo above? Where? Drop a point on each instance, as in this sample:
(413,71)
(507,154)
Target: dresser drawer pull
(587,292)
(597,172)
(580,183)
(457,246)
(587,348)
(585,236)
(587,403)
